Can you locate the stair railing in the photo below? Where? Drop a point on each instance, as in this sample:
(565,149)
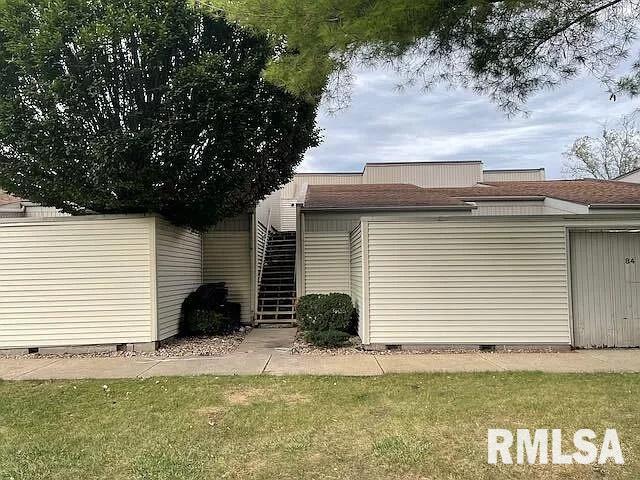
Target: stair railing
(264,249)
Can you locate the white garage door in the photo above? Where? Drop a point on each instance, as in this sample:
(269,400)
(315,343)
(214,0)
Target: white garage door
(605,280)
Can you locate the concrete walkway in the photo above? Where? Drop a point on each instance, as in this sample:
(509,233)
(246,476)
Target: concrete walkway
(280,363)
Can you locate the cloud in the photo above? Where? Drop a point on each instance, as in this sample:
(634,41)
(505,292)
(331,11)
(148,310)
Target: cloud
(383,123)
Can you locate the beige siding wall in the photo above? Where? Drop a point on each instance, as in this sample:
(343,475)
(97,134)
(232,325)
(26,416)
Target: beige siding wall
(510,208)
(287,215)
(632,177)
(513,175)
(261,245)
(269,210)
(355,240)
(297,186)
(227,258)
(463,174)
(327,261)
(467,282)
(75,282)
(178,270)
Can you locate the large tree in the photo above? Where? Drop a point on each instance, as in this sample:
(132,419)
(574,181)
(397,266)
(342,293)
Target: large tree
(142,106)
(505,49)
(615,152)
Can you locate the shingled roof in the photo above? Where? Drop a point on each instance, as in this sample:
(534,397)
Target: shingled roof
(398,196)
(585,192)
(6,199)
(378,196)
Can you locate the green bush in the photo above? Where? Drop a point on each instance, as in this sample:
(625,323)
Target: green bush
(326,338)
(205,322)
(332,311)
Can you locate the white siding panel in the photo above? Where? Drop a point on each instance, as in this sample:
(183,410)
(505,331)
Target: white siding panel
(261,245)
(178,272)
(467,282)
(77,282)
(536,207)
(327,261)
(355,241)
(632,177)
(288,215)
(459,174)
(227,258)
(513,175)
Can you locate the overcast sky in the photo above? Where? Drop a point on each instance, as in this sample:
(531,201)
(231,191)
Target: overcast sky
(384,124)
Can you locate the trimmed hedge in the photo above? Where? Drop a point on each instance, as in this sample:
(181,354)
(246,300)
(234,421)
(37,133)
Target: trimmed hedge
(326,338)
(320,312)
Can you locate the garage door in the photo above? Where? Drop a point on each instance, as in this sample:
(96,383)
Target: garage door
(605,280)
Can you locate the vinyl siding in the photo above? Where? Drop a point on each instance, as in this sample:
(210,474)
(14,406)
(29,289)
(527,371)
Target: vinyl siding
(297,187)
(75,282)
(633,177)
(463,174)
(261,245)
(327,260)
(355,240)
(606,288)
(227,258)
(510,208)
(513,175)
(287,215)
(178,271)
(269,209)
(467,282)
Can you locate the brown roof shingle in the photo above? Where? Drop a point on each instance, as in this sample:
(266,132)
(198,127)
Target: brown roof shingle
(585,192)
(371,196)
(6,199)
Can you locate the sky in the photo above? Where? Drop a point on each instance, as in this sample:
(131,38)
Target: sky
(384,124)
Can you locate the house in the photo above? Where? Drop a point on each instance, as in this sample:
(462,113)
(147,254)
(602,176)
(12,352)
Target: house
(432,253)
(11,207)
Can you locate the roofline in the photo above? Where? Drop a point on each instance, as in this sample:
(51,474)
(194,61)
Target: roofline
(328,173)
(497,170)
(436,162)
(386,164)
(398,208)
(497,198)
(600,206)
(635,170)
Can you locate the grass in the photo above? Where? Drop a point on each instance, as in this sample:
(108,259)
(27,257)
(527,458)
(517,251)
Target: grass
(390,427)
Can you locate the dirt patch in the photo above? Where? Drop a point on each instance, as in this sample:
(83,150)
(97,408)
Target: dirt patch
(295,398)
(214,415)
(247,396)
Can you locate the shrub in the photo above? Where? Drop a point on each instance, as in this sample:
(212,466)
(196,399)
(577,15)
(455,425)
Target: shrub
(207,312)
(206,322)
(333,311)
(326,338)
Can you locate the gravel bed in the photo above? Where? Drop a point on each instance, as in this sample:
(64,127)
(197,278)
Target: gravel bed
(175,347)
(302,347)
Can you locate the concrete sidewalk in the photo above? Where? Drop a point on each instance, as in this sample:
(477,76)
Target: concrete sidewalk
(278,363)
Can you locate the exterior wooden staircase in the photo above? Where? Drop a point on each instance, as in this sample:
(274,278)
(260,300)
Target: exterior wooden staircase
(277,289)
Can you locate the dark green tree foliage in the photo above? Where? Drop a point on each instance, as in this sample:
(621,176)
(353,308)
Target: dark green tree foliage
(142,106)
(505,49)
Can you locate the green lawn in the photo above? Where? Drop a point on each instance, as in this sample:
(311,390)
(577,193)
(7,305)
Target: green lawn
(404,426)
